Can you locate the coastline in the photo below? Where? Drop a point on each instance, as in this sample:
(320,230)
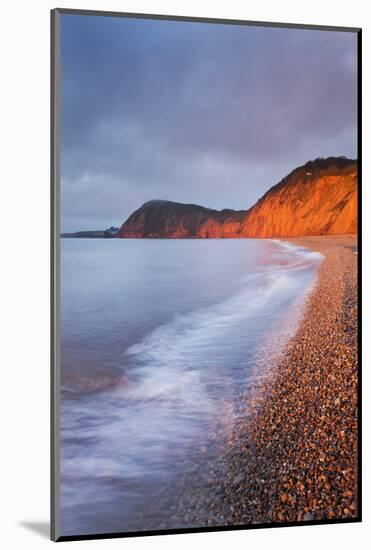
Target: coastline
(287,453)
(292,456)
(304,431)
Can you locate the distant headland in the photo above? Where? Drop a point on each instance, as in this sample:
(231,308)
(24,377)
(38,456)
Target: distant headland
(318,198)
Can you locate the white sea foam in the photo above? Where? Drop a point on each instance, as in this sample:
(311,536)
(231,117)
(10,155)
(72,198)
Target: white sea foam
(184,374)
(174,355)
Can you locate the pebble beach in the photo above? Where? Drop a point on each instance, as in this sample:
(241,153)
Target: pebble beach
(292,456)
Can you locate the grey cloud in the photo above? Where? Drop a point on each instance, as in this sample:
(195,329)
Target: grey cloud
(211,114)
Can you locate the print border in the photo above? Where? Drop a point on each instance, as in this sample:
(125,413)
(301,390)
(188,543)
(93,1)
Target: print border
(55,271)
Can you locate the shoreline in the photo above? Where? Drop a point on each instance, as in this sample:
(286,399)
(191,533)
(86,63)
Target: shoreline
(292,456)
(289,452)
(304,428)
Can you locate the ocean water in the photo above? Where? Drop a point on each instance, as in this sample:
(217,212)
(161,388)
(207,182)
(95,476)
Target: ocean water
(159,339)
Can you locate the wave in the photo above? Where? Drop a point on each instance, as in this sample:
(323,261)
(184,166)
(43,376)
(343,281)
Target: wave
(175,355)
(182,382)
(296,257)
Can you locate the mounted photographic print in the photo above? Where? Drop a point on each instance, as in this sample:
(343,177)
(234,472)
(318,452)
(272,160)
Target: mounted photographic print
(205,281)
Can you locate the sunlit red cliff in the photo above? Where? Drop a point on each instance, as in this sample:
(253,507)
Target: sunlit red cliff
(319,198)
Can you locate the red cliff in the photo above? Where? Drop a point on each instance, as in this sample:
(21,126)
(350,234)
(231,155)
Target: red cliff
(319,198)
(158,218)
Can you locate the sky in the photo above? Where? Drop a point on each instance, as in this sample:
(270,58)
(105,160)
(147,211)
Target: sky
(200,113)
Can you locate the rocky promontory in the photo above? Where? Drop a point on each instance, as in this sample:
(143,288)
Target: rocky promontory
(318,198)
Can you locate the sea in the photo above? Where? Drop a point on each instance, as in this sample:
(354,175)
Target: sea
(160,338)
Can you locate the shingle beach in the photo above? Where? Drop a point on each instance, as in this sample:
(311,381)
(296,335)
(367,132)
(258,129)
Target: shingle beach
(293,454)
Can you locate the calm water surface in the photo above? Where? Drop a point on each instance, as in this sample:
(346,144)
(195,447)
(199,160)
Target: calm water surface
(158,340)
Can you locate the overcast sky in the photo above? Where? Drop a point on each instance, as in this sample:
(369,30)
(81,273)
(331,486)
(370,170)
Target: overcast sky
(210,114)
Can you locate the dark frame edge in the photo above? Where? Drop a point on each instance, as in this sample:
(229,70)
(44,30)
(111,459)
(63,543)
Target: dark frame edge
(54,280)
(359,269)
(195,19)
(195,530)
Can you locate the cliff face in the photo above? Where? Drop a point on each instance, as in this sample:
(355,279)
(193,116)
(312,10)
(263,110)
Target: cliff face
(175,220)
(319,198)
